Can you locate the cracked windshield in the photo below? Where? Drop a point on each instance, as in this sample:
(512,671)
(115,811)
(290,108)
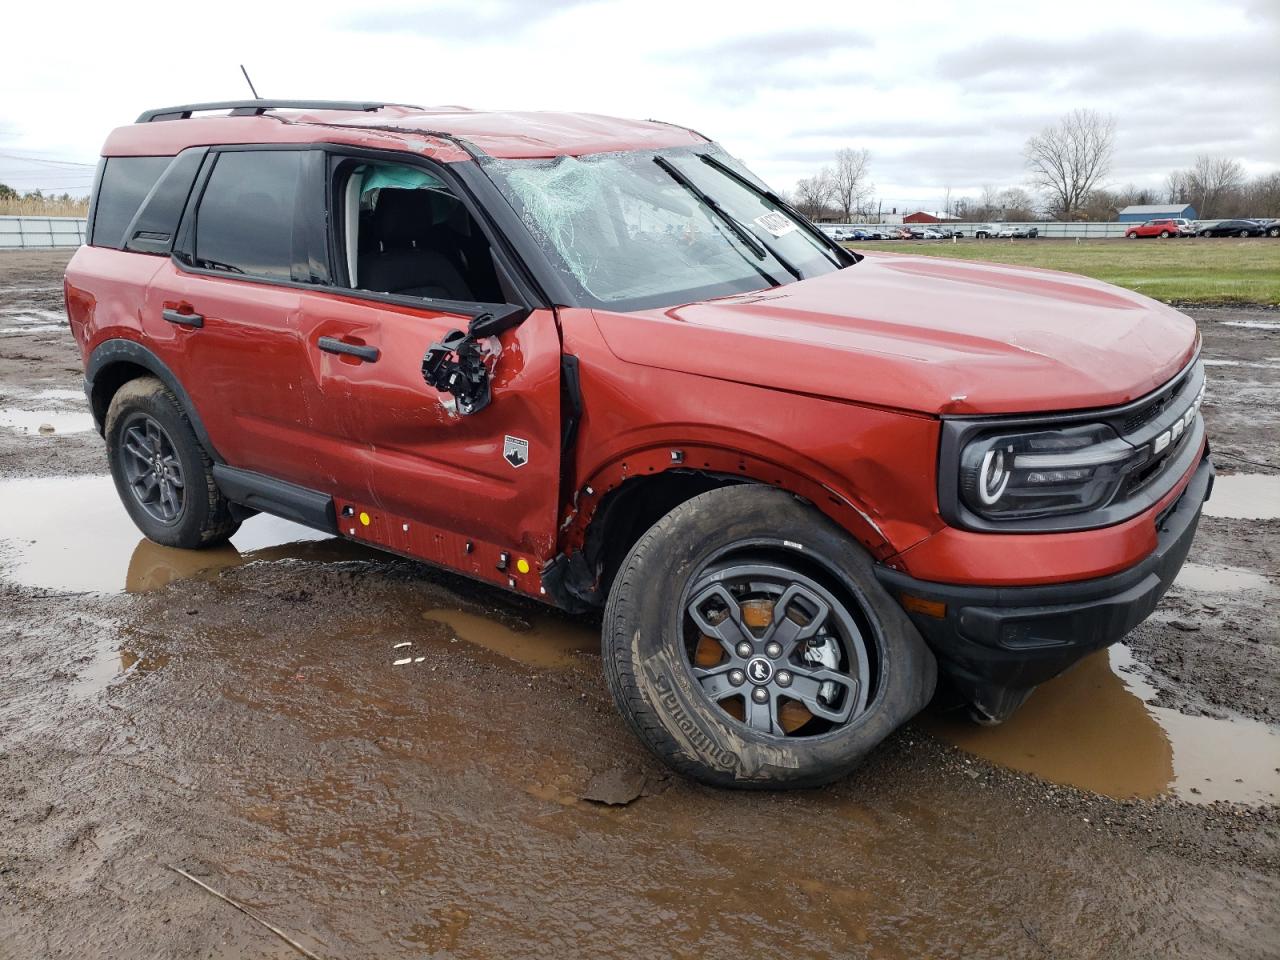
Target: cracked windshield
(652,229)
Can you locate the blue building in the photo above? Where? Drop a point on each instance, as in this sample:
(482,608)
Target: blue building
(1141,213)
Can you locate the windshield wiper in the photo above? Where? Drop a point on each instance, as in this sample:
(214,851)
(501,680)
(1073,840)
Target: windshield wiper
(757,246)
(842,258)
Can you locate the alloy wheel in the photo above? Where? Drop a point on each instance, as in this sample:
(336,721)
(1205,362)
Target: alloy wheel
(152,468)
(776,650)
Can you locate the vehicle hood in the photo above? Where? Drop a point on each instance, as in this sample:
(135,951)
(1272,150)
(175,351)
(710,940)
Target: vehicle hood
(924,334)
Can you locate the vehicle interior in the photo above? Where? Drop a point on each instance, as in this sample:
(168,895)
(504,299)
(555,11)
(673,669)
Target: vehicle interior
(404,233)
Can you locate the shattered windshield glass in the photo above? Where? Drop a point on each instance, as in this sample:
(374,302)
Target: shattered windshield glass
(630,230)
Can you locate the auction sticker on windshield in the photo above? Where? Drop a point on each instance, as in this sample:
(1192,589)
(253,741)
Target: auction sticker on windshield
(776,224)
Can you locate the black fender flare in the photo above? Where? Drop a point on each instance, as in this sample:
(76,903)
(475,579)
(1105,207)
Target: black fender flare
(123,351)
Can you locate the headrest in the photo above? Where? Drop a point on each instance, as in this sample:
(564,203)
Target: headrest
(402,216)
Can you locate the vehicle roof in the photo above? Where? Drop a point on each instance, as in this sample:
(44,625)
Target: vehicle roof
(448,134)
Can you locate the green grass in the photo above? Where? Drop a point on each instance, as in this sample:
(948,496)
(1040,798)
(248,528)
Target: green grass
(1189,270)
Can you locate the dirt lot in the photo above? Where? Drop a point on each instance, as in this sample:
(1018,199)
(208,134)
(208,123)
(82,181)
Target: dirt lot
(388,762)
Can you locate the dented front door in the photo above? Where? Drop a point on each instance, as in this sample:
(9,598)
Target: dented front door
(387,439)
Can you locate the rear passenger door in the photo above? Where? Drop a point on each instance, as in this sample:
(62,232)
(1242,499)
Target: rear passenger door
(226,309)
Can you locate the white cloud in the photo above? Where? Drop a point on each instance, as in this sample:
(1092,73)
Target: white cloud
(942,94)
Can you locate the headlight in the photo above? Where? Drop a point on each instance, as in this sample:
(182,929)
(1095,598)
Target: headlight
(1036,474)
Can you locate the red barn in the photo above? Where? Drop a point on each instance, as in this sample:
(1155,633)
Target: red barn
(924,216)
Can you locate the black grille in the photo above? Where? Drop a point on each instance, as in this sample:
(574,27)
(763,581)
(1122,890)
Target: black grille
(1136,419)
(1152,469)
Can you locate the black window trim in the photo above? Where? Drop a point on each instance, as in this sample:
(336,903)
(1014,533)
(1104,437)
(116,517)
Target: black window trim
(522,279)
(132,243)
(93,199)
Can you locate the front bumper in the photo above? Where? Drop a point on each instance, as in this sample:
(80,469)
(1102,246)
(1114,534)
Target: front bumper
(996,644)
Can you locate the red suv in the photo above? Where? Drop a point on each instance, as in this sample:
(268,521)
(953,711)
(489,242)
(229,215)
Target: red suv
(598,363)
(1164,229)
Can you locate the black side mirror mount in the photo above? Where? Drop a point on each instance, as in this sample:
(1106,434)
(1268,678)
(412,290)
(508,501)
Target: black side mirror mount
(458,364)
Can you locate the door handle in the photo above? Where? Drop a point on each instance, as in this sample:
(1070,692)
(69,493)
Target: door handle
(183,319)
(358,350)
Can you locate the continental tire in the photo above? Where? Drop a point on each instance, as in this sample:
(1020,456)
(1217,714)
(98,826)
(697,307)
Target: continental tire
(162,473)
(780,570)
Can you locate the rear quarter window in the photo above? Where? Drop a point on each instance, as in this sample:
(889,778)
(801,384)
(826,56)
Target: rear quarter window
(125,183)
(245,221)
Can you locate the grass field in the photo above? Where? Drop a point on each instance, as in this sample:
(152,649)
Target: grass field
(1191,270)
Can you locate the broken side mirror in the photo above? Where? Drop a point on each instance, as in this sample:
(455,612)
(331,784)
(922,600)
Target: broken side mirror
(458,364)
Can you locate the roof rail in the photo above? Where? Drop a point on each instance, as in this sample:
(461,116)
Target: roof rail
(253,108)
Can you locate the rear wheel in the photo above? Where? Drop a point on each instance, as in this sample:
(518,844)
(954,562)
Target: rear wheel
(1243,233)
(1273,230)
(1164,234)
(162,473)
(744,659)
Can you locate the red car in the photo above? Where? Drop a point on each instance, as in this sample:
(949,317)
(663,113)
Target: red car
(598,363)
(1164,229)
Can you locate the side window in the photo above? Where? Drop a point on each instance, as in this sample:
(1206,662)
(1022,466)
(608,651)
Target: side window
(401,231)
(125,182)
(245,221)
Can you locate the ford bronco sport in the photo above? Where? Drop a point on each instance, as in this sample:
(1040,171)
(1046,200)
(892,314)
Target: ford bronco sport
(598,363)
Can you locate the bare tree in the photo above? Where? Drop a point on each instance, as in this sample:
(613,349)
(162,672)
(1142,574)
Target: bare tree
(814,194)
(849,181)
(1262,196)
(1068,160)
(1215,185)
(1016,205)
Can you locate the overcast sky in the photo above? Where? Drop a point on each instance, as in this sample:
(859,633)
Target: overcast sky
(943,95)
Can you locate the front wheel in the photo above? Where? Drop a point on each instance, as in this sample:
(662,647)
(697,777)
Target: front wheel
(1131,236)
(1273,231)
(162,473)
(748,643)
(1244,233)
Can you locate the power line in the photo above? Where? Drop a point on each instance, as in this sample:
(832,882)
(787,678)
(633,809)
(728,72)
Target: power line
(52,163)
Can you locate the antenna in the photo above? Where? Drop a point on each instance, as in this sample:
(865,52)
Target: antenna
(249,82)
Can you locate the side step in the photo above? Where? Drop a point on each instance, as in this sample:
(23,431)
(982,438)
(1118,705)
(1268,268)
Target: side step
(278,497)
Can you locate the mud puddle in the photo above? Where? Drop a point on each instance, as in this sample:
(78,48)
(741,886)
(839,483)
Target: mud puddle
(1094,728)
(1245,496)
(113,664)
(548,642)
(1211,579)
(45,422)
(72,534)
(32,320)
(1252,324)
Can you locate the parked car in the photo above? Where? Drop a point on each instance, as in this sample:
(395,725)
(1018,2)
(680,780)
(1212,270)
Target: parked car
(986,231)
(1271,227)
(1017,231)
(1234,228)
(920,232)
(792,511)
(1163,228)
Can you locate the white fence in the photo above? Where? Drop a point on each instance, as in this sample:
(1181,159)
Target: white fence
(1059,229)
(41,233)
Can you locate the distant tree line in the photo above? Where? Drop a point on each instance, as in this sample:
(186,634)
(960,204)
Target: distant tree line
(1067,166)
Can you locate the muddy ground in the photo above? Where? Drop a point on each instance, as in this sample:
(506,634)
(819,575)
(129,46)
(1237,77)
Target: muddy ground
(388,762)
